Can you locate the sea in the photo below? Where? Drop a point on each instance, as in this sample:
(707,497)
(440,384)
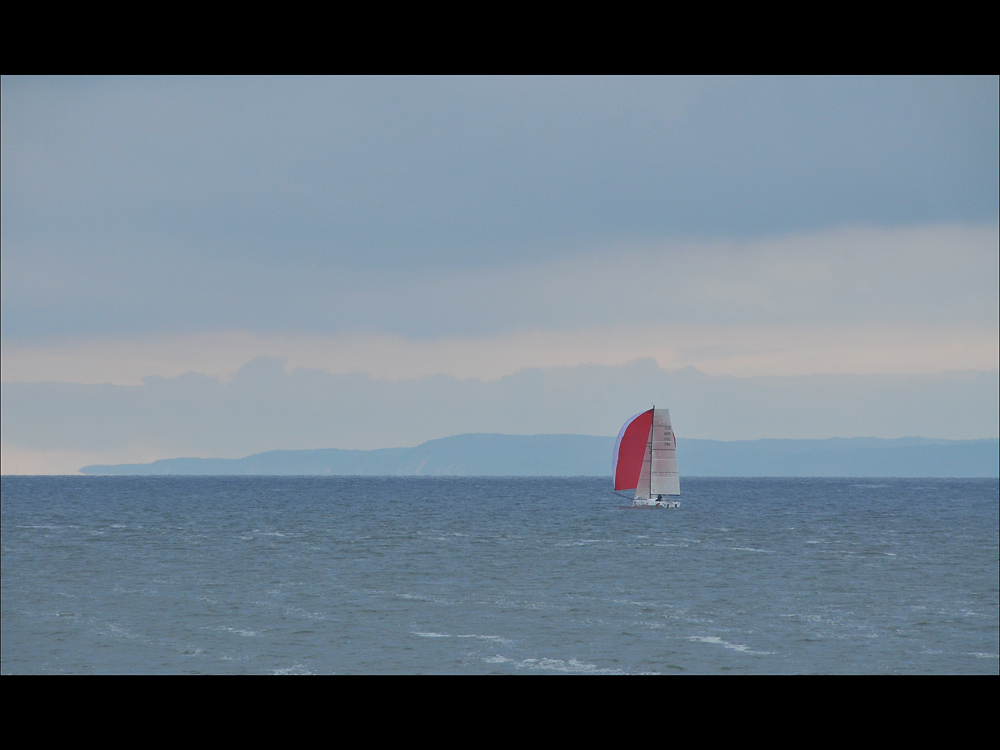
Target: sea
(453,575)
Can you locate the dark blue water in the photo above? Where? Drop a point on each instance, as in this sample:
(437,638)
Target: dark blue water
(497,575)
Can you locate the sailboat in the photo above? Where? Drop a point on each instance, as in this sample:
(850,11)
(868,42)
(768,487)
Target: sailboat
(646,460)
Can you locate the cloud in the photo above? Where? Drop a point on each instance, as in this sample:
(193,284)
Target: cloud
(860,300)
(471,246)
(393,164)
(939,274)
(159,205)
(742,350)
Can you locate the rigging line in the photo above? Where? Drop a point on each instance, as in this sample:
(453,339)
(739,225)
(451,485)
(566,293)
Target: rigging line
(652,425)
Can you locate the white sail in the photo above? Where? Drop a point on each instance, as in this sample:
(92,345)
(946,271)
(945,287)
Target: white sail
(664,479)
(659,474)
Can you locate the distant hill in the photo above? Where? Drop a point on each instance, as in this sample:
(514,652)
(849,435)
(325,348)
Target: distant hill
(586,455)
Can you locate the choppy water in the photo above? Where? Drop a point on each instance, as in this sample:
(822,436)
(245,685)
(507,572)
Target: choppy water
(497,575)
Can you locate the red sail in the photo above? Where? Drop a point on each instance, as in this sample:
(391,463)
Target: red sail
(630,450)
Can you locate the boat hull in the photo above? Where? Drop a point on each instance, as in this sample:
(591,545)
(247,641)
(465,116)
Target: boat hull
(655,503)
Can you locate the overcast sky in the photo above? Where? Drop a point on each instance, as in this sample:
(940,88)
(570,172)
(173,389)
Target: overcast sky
(475,227)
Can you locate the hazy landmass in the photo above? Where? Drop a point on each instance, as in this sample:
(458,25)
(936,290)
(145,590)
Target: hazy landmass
(585,455)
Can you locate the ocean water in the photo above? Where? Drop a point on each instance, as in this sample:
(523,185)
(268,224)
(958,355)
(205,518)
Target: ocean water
(352,575)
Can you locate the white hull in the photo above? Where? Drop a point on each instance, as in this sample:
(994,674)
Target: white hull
(654,502)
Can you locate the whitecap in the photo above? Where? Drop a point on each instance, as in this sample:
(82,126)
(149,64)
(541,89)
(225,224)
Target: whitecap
(493,638)
(738,647)
(295,669)
(571,666)
(245,633)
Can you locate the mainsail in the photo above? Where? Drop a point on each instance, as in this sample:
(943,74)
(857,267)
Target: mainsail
(645,456)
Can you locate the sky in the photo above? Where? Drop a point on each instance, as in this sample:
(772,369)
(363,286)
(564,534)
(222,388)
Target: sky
(485,253)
